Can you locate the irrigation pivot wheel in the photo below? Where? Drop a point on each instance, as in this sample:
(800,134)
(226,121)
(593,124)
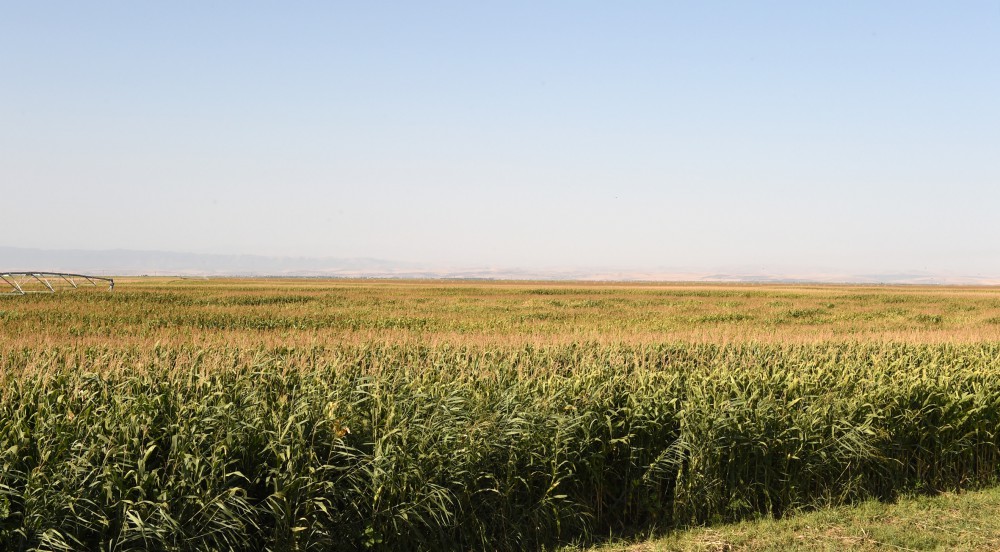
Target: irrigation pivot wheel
(23,283)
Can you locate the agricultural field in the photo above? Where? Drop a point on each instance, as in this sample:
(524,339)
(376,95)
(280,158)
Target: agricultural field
(297,312)
(300,414)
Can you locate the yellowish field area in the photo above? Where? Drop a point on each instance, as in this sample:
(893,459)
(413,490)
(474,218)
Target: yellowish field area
(270,312)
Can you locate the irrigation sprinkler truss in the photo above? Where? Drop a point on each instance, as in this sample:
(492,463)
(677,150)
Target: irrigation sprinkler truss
(23,283)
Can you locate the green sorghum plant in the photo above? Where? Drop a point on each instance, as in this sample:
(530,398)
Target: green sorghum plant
(411,447)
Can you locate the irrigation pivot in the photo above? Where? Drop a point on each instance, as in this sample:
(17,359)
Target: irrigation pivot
(23,283)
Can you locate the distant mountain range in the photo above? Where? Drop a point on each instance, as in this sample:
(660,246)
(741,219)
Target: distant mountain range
(123,262)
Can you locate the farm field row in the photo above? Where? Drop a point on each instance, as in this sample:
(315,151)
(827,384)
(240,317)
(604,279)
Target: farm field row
(145,311)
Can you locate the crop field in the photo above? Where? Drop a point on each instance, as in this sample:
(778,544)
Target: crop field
(300,312)
(300,414)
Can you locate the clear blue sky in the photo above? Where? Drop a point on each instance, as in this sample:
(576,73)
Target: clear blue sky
(854,136)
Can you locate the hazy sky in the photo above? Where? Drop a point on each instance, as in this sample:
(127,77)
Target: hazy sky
(856,136)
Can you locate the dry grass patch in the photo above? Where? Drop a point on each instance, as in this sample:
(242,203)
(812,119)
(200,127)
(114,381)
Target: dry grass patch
(968,521)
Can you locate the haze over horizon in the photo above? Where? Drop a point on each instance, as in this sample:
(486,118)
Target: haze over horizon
(781,137)
(120,262)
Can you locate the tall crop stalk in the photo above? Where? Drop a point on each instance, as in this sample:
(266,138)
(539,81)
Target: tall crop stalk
(409,447)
